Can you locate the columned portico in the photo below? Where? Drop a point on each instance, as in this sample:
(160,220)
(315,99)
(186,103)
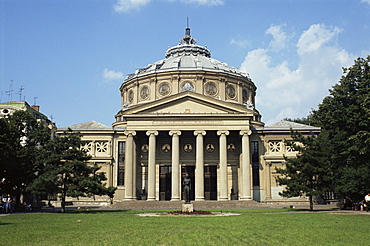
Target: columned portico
(223,165)
(129,174)
(151,164)
(199,166)
(175,188)
(245,189)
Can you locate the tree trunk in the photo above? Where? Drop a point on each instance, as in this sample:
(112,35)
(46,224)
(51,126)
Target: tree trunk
(311,203)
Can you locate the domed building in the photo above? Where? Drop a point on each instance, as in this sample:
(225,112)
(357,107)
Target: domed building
(190,114)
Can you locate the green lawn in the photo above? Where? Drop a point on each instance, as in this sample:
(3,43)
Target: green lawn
(252,227)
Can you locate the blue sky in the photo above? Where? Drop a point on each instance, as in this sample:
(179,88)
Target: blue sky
(74,55)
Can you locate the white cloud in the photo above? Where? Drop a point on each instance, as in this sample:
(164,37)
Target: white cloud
(285,92)
(240,42)
(365,1)
(315,37)
(112,75)
(206,2)
(280,38)
(123,6)
(127,5)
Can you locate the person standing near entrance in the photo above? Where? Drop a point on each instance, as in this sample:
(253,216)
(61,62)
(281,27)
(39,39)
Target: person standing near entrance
(367,202)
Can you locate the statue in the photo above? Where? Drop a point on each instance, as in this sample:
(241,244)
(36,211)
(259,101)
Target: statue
(187,187)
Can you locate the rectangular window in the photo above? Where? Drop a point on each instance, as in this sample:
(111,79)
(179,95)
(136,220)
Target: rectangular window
(255,164)
(121,164)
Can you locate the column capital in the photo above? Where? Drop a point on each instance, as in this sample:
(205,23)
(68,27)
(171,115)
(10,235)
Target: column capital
(171,133)
(196,133)
(219,133)
(155,133)
(245,132)
(128,133)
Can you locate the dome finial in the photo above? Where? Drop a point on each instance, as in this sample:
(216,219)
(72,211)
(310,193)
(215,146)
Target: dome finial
(188,39)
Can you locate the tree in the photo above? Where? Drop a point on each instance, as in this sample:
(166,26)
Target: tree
(345,117)
(66,171)
(4,147)
(309,173)
(22,138)
(305,120)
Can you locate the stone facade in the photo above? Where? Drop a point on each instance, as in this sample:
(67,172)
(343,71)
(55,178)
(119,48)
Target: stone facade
(190,114)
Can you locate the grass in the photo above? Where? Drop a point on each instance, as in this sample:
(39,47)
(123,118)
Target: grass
(252,227)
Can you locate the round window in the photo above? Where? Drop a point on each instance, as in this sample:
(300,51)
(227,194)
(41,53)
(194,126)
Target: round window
(144,93)
(211,88)
(164,89)
(230,91)
(131,96)
(245,96)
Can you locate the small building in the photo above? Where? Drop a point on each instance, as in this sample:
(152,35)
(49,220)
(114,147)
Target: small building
(190,114)
(9,108)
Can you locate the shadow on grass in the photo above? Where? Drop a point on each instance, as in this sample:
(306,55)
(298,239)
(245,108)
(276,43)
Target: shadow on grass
(308,210)
(96,211)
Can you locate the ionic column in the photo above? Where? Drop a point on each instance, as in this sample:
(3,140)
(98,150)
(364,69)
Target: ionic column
(129,165)
(151,165)
(175,188)
(223,165)
(245,193)
(199,166)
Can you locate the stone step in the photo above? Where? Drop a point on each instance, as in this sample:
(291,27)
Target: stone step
(139,204)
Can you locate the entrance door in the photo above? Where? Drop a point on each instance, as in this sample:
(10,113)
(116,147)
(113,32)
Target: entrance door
(188,170)
(165,183)
(210,182)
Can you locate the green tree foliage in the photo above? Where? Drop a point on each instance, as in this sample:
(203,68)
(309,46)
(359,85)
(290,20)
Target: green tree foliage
(343,146)
(67,173)
(21,141)
(309,173)
(345,117)
(4,147)
(305,120)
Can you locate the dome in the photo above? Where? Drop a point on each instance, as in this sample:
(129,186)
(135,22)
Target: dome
(188,67)
(187,55)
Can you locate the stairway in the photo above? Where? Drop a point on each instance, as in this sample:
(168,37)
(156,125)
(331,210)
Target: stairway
(139,204)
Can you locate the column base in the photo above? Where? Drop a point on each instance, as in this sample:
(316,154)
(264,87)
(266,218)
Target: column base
(151,199)
(200,199)
(223,199)
(175,199)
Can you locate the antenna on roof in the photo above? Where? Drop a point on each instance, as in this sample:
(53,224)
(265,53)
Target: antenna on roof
(187,22)
(34,100)
(10,91)
(20,93)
